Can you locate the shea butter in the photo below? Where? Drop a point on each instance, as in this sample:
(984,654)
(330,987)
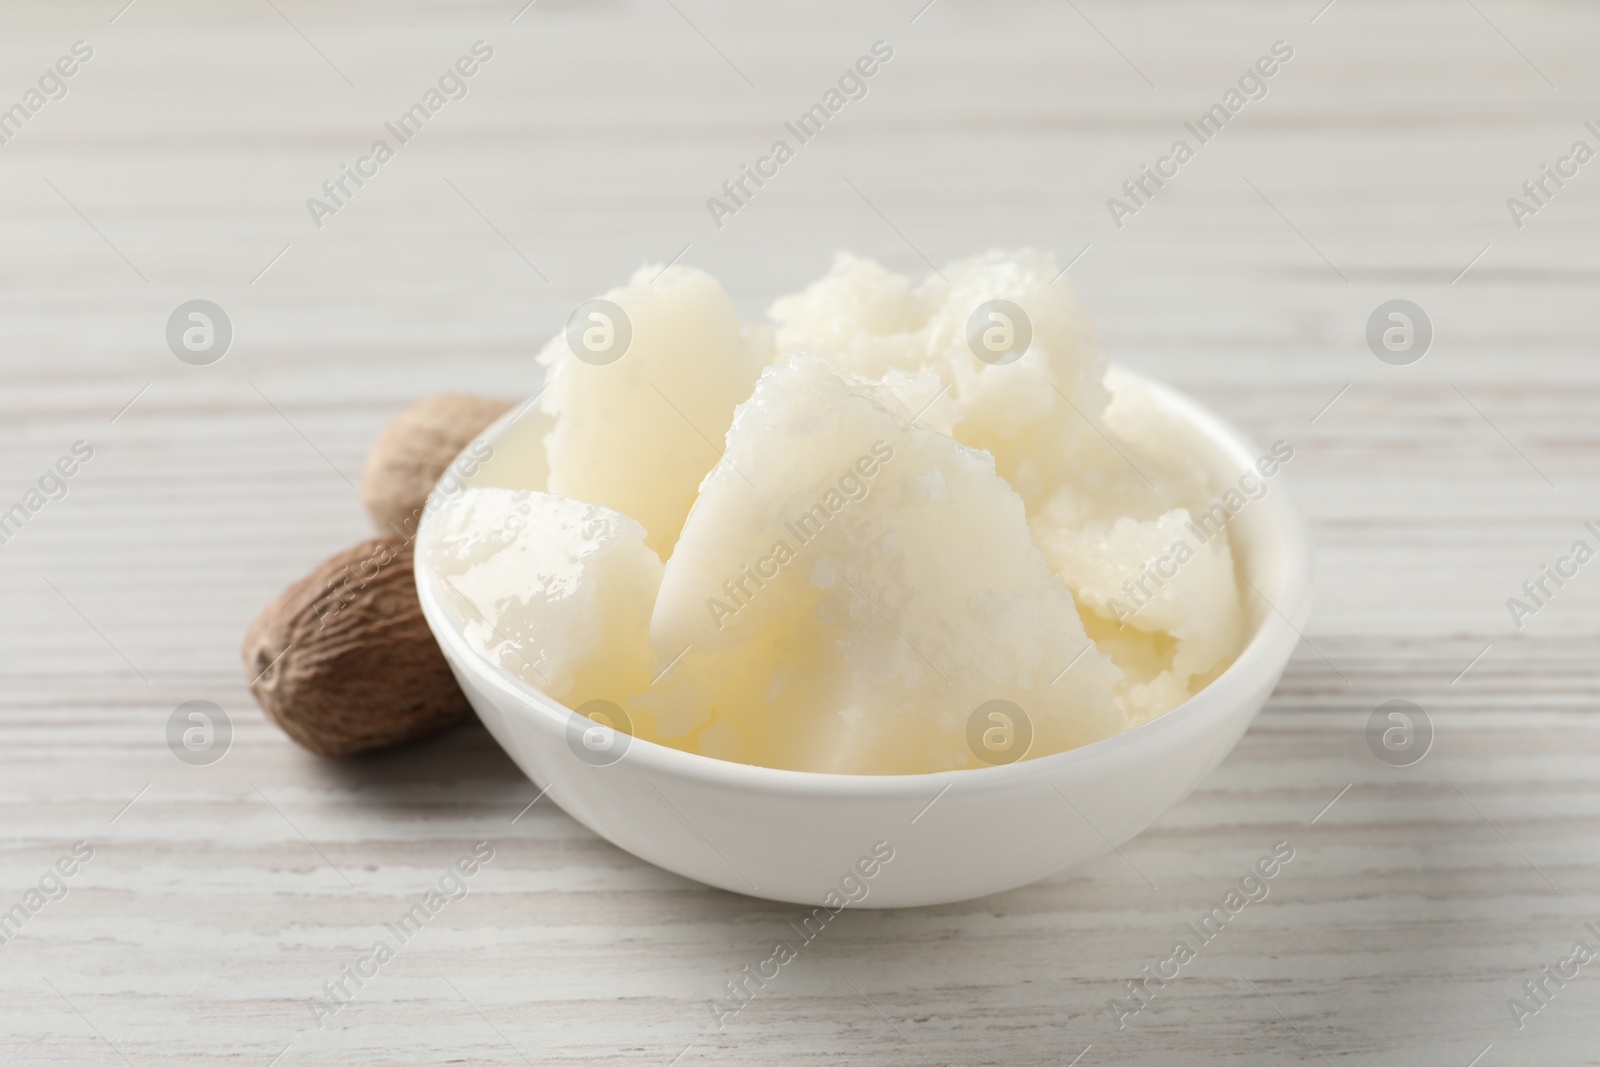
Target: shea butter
(836,542)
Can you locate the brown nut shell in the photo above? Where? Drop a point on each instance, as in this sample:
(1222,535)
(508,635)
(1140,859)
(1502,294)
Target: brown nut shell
(415,449)
(343,660)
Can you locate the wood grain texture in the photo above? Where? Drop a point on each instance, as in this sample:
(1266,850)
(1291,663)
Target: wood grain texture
(1377,166)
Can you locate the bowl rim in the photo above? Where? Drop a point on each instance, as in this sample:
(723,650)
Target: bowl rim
(1262,659)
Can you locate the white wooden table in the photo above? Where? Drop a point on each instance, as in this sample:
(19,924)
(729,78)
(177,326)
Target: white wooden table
(220,898)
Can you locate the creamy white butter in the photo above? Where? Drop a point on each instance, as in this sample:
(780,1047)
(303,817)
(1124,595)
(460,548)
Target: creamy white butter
(833,566)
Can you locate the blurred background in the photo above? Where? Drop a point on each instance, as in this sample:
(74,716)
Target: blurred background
(176,163)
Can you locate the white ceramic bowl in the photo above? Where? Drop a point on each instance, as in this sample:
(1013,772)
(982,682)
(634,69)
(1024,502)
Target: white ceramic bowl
(798,836)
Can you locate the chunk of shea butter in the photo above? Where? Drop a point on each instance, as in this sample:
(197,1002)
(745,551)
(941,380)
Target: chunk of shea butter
(554,590)
(1153,583)
(1024,382)
(1159,461)
(635,432)
(1145,463)
(900,560)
